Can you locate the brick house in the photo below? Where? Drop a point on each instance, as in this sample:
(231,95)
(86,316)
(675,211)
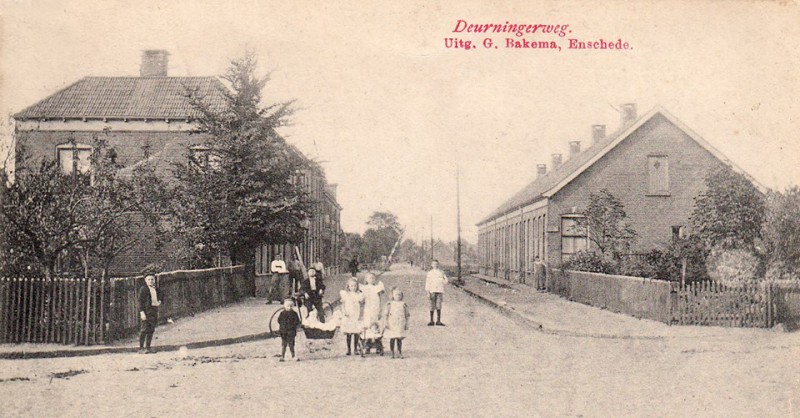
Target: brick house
(150,110)
(654,164)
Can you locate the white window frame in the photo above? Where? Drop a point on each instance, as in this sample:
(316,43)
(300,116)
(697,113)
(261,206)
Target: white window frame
(73,148)
(572,236)
(202,156)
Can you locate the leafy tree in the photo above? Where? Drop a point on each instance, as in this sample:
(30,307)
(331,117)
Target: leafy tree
(781,233)
(48,215)
(380,237)
(729,214)
(246,187)
(382,220)
(43,212)
(604,220)
(125,205)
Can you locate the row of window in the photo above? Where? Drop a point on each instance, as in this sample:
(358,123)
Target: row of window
(514,246)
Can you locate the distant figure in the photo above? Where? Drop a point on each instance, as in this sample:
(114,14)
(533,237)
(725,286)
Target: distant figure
(288,322)
(278,289)
(150,299)
(395,321)
(540,274)
(296,276)
(313,288)
(434,285)
(353,265)
(320,268)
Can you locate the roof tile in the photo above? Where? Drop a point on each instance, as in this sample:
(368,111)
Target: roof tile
(128,97)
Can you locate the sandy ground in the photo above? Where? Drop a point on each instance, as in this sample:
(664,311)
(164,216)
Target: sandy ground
(481,364)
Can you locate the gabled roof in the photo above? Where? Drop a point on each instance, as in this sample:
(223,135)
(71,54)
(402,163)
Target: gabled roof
(128,97)
(549,184)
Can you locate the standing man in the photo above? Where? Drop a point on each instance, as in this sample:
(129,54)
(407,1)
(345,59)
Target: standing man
(149,300)
(295,273)
(540,274)
(279,275)
(353,265)
(314,288)
(320,268)
(434,285)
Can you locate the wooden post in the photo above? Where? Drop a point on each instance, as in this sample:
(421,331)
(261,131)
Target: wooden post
(103,282)
(89,311)
(28,309)
(4,303)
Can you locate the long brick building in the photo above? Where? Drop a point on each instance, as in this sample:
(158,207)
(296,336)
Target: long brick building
(654,164)
(152,110)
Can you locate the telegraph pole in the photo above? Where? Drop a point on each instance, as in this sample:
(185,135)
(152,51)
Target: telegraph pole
(458,220)
(432,239)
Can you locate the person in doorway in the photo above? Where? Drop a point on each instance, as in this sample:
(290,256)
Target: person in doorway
(150,299)
(313,288)
(434,285)
(288,322)
(280,274)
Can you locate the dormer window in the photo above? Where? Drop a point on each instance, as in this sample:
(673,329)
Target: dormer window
(202,156)
(74,158)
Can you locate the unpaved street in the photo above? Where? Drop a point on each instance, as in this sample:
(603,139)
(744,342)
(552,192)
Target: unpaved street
(481,364)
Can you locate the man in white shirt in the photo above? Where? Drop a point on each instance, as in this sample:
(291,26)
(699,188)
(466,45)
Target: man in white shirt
(280,274)
(434,285)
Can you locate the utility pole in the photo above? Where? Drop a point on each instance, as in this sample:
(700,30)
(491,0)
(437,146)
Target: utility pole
(458,220)
(432,239)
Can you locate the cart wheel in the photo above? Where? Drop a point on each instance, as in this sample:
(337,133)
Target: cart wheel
(273,322)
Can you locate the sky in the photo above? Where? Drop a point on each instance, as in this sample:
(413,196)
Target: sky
(392,113)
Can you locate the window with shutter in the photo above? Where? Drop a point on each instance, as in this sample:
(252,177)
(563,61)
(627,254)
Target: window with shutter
(657,175)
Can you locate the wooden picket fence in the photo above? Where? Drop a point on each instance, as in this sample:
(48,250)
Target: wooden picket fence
(100,311)
(712,303)
(58,310)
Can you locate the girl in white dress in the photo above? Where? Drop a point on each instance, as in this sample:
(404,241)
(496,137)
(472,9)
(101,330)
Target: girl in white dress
(352,314)
(395,321)
(372,299)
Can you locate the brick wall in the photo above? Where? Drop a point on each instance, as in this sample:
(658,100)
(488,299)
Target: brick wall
(623,171)
(168,147)
(642,298)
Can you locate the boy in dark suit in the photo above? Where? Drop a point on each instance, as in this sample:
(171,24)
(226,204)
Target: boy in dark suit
(288,321)
(313,288)
(150,299)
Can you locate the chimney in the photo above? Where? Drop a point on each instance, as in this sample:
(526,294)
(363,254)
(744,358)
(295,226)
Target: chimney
(154,63)
(541,170)
(574,148)
(628,113)
(598,133)
(556,161)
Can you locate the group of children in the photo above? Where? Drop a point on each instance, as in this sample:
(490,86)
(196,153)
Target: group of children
(363,320)
(362,315)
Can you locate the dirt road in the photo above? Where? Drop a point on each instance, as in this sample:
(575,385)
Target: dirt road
(480,364)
